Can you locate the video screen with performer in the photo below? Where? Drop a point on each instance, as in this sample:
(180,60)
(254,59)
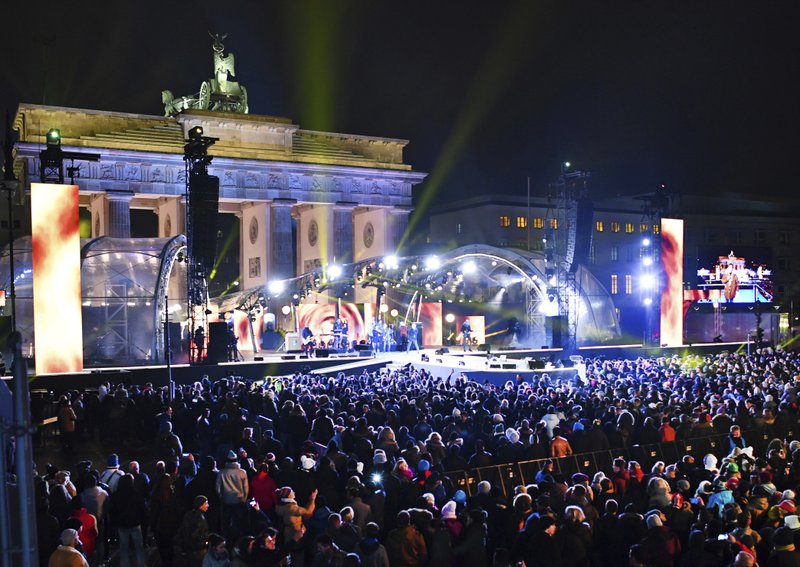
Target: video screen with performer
(739,275)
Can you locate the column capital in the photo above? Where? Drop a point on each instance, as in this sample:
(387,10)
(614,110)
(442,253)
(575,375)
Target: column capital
(119,195)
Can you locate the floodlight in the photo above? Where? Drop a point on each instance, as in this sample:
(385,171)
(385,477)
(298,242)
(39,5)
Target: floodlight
(334,271)
(275,287)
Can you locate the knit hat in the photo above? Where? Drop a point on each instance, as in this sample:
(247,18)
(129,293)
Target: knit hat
(579,478)
(231,457)
(449,511)
(113,460)
(460,496)
(683,485)
(788,506)
(731,468)
(792,522)
(307,462)
(285,494)
(423,465)
(199,500)
(484,487)
(379,458)
(732,483)
(512,435)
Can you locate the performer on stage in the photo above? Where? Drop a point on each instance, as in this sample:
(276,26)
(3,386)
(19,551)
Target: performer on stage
(233,346)
(413,337)
(344,343)
(466,333)
(199,343)
(308,338)
(377,336)
(337,334)
(388,338)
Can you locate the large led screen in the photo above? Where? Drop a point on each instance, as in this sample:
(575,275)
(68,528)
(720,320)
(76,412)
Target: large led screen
(739,275)
(58,331)
(672,291)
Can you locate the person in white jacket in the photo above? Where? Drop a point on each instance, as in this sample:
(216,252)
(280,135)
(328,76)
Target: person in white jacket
(232,487)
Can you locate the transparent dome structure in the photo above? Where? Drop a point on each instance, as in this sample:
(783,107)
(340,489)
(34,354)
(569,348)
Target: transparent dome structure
(512,285)
(127,287)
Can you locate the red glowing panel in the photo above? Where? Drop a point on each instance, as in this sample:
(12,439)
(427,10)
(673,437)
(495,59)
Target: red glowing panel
(672,293)
(56,278)
(320,319)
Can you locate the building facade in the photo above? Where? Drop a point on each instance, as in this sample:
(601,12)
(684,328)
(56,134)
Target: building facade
(624,233)
(303,198)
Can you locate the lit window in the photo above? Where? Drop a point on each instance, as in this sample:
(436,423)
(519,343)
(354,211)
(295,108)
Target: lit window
(644,227)
(629,228)
(656,229)
(538,222)
(522,222)
(553,223)
(614,253)
(614,284)
(628,284)
(505,222)
(599,226)
(615,226)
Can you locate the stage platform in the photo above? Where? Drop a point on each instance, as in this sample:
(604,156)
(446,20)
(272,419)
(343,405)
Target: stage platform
(496,367)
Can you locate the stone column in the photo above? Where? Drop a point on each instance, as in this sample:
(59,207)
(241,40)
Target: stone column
(343,232)
(398,223)
(119,214)
(281,253)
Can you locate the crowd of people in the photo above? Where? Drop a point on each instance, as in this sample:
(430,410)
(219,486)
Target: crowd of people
(316,471)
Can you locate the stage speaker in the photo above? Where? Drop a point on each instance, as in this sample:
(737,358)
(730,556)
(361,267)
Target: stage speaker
(556,328)
(365,353)
(203,211)
(293,342)
(288,357)
(323,352)
(360,347)
(217,342)
(536,364)
(174,336)
(584,228)
(443,350)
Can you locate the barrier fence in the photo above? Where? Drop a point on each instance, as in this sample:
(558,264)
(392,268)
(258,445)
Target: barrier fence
(509,475)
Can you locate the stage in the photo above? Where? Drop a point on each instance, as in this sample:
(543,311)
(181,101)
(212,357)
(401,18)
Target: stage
(495,367)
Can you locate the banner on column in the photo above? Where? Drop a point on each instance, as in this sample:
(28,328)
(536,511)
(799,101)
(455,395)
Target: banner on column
(58,335)
(672,292)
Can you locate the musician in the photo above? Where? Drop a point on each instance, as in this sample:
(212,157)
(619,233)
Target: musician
(308,339)
(199,343)
(466,334)
(233,346)
(388,338)
(337,334)
(377,336)
(345,341)
(413,337)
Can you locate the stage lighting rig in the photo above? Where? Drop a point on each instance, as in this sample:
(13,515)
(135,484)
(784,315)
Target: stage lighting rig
(52,159)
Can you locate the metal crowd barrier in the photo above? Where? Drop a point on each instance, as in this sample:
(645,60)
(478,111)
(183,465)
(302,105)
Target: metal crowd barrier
(509,475)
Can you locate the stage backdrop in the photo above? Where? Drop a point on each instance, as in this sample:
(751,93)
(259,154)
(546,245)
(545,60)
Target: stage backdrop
(672,290)
(56,278)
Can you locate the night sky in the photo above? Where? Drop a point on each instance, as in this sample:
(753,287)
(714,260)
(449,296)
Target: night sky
(701,96)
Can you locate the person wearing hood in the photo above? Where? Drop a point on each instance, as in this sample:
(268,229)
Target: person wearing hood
(232,488)
(217,554)
(370,549)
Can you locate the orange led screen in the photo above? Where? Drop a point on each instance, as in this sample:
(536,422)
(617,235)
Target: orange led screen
(56,278)
(672,292)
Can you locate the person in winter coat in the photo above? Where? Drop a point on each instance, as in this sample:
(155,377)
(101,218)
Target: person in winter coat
(370,549)
(576,538)
(663,545)
(66,554)
(128,514)
(292,515)
(164,509)
(405,546)
(193,532)
(262,488)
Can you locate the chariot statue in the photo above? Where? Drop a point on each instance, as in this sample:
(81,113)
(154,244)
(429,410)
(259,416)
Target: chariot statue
(218,94)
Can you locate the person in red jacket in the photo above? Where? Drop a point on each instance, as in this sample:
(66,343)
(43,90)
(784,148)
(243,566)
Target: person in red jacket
(263,487)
